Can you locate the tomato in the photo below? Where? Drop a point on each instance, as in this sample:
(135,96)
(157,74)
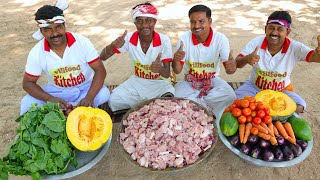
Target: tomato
(260,106)
(267,119)
(249,119)
(267,111)
(232,106)
(250,99)
(252,106)
(236,112)
(253,113)
(261,114)
(246,112)
(227,109)
(244,103)
(256,120)
(254,130)
(242,119)
(237,102)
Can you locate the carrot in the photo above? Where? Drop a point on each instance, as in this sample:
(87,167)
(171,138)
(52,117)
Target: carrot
(261,129)
(281,129)
(275,130)
(241,132)
(264,136)
(273,140)
(270,126)
(267,128)
(247,132)
(289,130)
(291,140)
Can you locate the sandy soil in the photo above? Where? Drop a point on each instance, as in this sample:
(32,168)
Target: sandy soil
(103,20)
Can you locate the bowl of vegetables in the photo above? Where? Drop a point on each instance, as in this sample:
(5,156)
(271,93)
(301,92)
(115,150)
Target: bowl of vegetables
(264,142)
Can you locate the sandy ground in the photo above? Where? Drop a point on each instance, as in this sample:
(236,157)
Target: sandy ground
(103,20)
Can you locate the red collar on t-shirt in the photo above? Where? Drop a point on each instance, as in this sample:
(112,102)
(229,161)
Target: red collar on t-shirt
(284,48)
(70,41)
(155,42)
(208,41)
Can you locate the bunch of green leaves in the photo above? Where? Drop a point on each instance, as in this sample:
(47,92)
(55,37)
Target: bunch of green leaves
(41,146)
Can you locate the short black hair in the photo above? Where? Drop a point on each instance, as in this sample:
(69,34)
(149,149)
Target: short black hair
(283,15)
(200,8)
(47,12)
(146,3)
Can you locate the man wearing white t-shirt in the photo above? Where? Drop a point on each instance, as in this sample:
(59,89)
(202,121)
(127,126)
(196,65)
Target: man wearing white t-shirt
(70,61)
(199,54)
(150,54)
(273,58)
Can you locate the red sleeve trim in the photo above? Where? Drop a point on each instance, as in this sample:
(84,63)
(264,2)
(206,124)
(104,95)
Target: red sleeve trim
(96,59)
(167,60)
(34,76)
(241,55)
(116,50)
(182,63)
(308,55)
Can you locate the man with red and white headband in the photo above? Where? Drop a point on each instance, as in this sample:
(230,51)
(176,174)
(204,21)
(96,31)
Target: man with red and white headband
(150,54)
(70,61)
(273,58)
(199,54)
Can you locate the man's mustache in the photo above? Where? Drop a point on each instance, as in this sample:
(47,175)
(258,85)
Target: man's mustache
(55,36)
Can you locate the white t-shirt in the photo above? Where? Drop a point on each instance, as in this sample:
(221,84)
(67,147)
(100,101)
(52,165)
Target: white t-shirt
(71,70)
(140,61)
(202,60)
(273,72)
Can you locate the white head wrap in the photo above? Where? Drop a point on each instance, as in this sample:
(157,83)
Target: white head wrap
(61,4)
(144,11)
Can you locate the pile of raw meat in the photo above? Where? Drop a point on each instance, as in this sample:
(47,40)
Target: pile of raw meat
(167,133)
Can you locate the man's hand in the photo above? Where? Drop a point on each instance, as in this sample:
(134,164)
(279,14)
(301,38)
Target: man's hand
(62,103)
(156,65)
(254,58)
(230,65)
(86,101)
(179,55)
(119,42)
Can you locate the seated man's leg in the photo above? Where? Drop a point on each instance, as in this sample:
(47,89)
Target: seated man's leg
(102,96)
(247,89)
(26,102)
(220,97)
(301,104)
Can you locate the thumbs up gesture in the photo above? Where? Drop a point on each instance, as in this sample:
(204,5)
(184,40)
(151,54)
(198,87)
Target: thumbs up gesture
(119,42)
(230,65)
(156,65)
(317,50)
(254,58)
(179,55)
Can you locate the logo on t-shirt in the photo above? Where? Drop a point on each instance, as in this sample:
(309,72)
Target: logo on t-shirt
(203,70)
(144,71)
(68,76)
(270,80)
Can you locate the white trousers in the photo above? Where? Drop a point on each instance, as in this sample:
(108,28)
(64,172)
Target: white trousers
(136,90)
(71,95)
(217,99)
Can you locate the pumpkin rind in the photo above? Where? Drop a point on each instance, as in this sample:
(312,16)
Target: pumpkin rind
(281,106)
(88,128)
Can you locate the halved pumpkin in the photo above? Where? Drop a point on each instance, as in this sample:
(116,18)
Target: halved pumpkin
(88,128)
(281,106)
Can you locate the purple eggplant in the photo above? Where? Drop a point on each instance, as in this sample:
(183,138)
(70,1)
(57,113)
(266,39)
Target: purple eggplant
(255,153)
(278,154)
(235,140)
(296,149)
(245,149)
(268,155)
(302,144)
(253,139)
(287,153)
(280,140)
(264,144)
